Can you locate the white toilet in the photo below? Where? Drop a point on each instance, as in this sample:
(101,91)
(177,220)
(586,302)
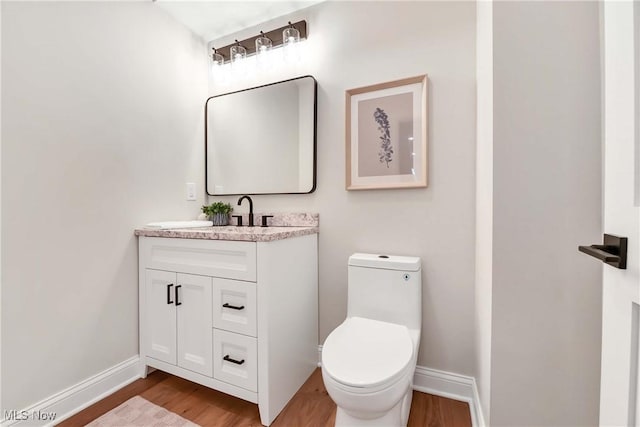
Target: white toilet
(369,360)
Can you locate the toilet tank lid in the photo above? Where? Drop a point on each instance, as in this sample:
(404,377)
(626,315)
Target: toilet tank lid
(388,262)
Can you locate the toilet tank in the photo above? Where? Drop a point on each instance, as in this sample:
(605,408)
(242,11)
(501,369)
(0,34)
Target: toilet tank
(386,288)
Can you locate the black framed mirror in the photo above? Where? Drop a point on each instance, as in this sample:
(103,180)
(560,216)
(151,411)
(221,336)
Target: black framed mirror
(262,140)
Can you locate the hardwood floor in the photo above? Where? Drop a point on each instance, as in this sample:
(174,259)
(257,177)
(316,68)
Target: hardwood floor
(311,406)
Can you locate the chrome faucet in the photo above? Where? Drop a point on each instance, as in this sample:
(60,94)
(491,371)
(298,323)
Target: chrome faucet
(250,208)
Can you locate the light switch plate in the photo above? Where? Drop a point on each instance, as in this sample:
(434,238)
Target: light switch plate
(191,191)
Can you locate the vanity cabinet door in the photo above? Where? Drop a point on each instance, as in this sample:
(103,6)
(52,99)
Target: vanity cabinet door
(193,307)
(161,315)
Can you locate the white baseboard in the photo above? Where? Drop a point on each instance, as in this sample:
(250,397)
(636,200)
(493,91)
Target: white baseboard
(479,419)
(452,386)
(77,397)
(445,384)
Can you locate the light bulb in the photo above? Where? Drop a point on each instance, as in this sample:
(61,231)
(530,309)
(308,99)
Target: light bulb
(217,60)
(238,53)
(290,35)
(263,46)
(263,43)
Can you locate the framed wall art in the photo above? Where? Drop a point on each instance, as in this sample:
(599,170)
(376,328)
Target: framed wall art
(386,135)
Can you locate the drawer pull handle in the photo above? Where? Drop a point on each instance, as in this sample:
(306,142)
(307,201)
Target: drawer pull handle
(178,295)
(169,293)
(235,307)
(237,362)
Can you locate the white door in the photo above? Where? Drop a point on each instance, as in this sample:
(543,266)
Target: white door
(161,315)
(194,300)
(621,288)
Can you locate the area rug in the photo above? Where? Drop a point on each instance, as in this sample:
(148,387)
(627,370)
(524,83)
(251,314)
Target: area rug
(140,412)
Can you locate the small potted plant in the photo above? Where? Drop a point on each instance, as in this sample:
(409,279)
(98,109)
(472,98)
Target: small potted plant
(218,212)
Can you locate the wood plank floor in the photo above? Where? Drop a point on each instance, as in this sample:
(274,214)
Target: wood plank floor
(311,406)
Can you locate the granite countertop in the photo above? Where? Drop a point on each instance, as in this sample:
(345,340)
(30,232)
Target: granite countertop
(247,234)
(283,226)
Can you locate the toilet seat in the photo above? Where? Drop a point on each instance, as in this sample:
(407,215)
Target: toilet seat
(367,354)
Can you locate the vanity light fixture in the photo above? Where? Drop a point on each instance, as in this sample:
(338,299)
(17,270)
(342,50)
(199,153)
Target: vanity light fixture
(290,35)
(217,60)
(237,52)
(217,66)
(287,35)
(263,44)
(290,42)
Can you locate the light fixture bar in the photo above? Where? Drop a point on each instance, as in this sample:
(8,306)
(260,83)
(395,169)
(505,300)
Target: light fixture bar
(274,35)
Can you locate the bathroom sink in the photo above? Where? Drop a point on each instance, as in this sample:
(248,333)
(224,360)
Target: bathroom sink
(164,225)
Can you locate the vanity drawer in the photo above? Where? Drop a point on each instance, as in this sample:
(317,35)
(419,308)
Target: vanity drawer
(216,258)
(234,306)
(235,359)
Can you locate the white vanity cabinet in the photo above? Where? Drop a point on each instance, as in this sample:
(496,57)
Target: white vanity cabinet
(240,317)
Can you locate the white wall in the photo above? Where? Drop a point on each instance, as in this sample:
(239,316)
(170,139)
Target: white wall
(1,406)
(484,206)
(546,297)
(102,126)
(353,44)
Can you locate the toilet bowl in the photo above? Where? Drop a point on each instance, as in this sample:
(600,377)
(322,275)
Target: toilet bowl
(367,368)
(368,362)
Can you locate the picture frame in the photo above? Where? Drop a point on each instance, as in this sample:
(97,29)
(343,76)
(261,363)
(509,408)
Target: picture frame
(386,135)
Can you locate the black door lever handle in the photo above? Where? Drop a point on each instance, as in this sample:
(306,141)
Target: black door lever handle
(600,252)
(612,252)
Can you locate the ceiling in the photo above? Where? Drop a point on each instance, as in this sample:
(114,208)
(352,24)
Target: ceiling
(212,20)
